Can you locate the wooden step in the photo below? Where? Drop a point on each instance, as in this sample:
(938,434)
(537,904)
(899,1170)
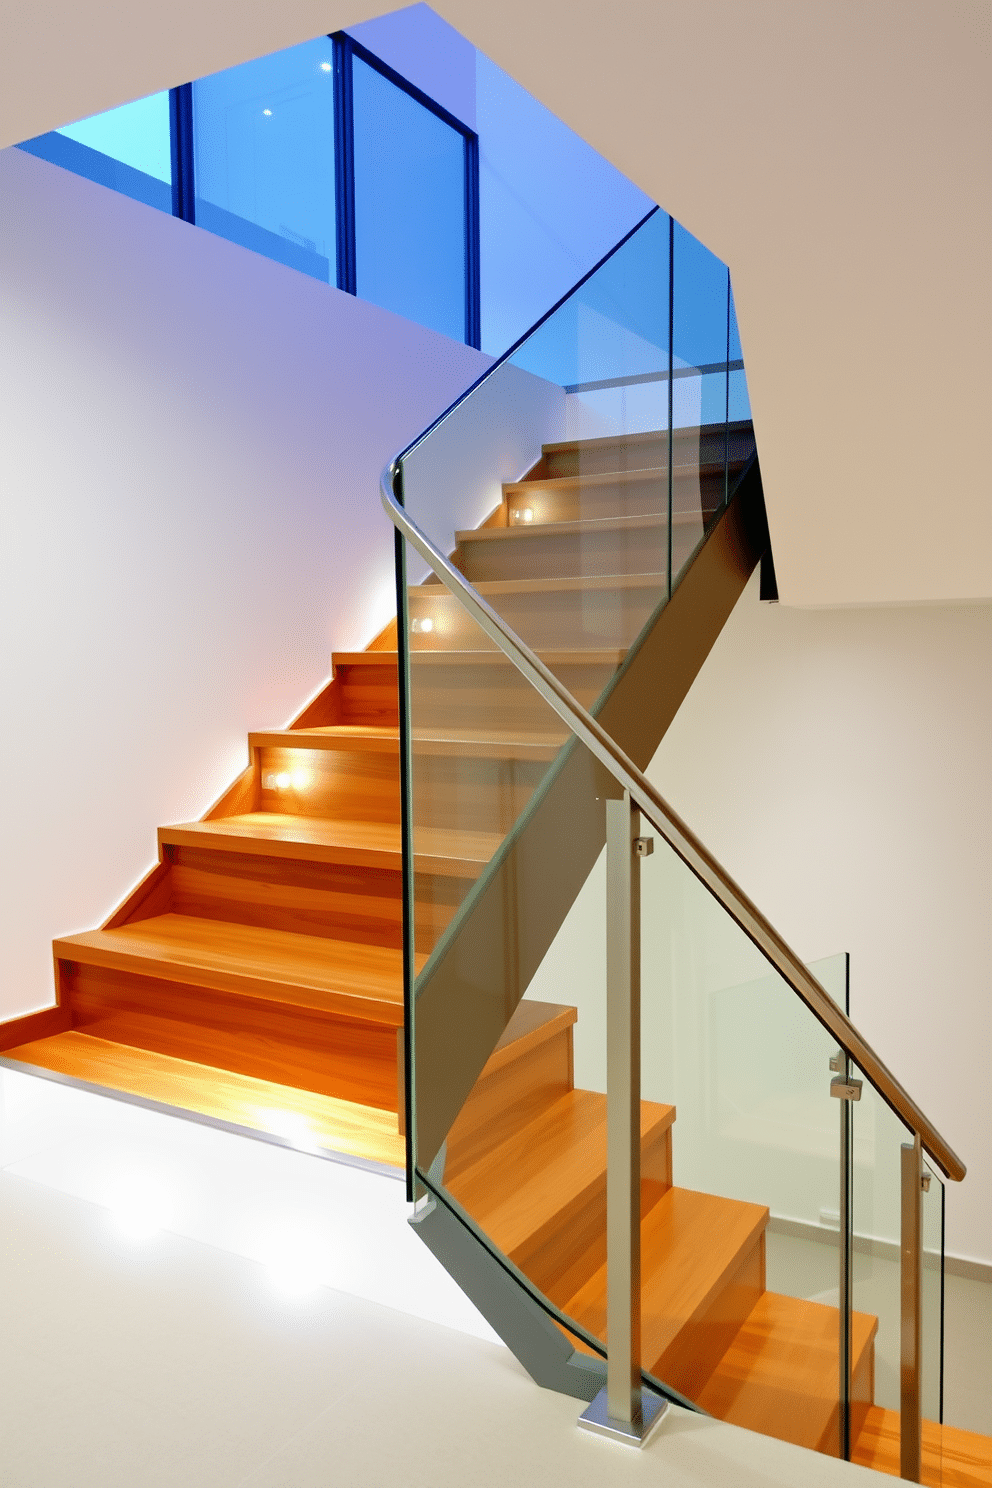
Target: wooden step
(588,496)
(635,451)
(546,612)
(952,1458)
(702,1268)
(616,545)
(780,1374)
(540,1194)
(309,1011)
(311,1122)
(463,743)
(374,845)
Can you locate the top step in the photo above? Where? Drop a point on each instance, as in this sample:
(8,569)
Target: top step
(618,453)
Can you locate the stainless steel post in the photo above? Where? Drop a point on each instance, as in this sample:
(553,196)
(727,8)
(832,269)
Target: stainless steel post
(846,1268)
(622,1410)
(911,1329)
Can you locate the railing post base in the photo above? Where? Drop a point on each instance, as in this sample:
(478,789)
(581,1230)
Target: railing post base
(596,1418)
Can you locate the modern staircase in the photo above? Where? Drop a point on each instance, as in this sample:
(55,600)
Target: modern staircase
(338,956)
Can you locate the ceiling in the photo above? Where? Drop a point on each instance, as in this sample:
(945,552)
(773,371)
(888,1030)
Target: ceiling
(838,156)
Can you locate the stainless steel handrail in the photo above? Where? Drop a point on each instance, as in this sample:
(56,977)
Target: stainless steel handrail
(675,832)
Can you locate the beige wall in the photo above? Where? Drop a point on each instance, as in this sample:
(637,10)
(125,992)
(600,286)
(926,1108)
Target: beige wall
(836,154)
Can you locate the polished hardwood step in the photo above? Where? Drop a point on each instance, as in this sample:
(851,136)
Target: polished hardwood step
(301,1118)
(604,494)
(464,743)
(375,845)
(540,1193)
(780,1374)
(623,452)
(952,1458)
(547,612)
(702,1268)
(347,978)
(616,545)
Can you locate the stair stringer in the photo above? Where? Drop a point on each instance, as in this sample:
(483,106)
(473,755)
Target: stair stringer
(481,969)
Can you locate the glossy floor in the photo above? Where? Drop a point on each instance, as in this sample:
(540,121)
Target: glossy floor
(184,1306)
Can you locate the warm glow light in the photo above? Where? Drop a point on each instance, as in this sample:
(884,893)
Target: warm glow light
(282,779)
(301,778)
(422,627)
(292,1127)
(523,514)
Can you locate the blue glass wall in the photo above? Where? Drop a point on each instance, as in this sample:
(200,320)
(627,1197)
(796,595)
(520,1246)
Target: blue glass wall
(410,207)
(264,156)
(126,148)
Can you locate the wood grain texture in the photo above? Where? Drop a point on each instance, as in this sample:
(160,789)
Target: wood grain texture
(264,1037)
(343,977)
(240,796)
(307,1120)
(540,1193)
(952,1458)
(693,1246)
(780,1374)
(40,1025)
(152,896)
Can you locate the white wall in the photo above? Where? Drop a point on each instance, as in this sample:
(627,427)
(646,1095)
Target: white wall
(190,445)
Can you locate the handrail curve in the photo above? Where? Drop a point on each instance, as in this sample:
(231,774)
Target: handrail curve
(675,832)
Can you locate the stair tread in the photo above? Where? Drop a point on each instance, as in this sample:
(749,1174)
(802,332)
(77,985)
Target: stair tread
(310,971)
(589,480)
(304,1119)
(472,743)
(459,852)
(545,585)
(952,1457)
(690,1244)
(524,1180)
(599,656)
(588,526)
(647,436)
(779,1375)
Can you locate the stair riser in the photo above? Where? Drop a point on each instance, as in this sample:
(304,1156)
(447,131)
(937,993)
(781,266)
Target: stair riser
(348,1058)
(356,904)
(368,695)
(690,1360)
(562,1255)
(551,554)
(484,697)
(693,493)
(567,620)
(449,790)
(503,1102)
(690,445)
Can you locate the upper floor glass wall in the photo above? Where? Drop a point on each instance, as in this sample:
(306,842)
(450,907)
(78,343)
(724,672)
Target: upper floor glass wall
(128,149)
(263,157)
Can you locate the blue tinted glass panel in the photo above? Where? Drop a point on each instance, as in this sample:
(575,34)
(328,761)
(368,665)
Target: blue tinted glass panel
(699,331)
(264,156)
(409,206)
(740,403)
(126,148)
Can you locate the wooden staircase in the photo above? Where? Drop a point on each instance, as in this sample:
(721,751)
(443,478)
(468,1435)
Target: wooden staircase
(254,977)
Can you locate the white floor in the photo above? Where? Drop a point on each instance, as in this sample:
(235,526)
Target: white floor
(184,1306)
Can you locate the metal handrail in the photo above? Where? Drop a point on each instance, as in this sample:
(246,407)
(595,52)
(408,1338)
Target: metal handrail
(675,832)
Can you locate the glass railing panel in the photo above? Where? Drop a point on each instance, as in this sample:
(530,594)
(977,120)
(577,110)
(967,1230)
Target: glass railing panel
(700,330)
(751,1331)
(264,156)
(128,149)
(410,206)
(738,401)
(549,485)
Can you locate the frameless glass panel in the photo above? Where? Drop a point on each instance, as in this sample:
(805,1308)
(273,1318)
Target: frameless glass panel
(549,484)
(700,289)
(410,205)
(739,404)
(264,156)
(126,148)
(744,1308)
(933,1326)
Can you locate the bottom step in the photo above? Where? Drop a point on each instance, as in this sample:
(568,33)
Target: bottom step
(951,1458)
(301,1118)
